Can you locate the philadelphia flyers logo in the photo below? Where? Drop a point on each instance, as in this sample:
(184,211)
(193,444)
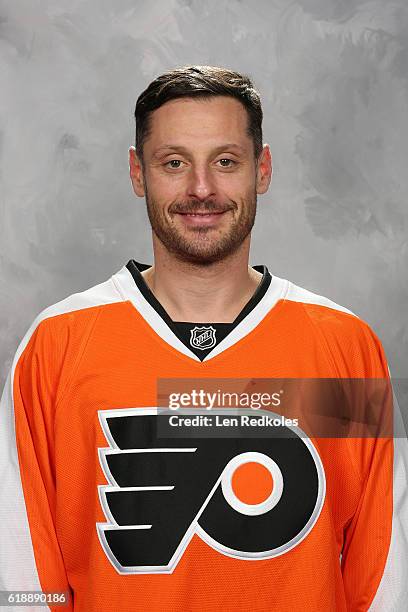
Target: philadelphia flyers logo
(162,491)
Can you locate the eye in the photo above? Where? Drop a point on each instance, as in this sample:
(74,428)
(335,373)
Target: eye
(226,159)
(173,161)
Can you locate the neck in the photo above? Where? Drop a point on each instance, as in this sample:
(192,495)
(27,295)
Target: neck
(192,292)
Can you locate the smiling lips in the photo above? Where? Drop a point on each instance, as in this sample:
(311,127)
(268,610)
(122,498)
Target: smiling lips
(202,218)
(207,214)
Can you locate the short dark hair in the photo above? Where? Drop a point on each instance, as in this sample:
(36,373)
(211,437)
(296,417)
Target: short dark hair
(200,82)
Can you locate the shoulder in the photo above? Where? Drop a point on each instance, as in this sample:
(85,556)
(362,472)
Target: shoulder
(322,311)
(67,321)
(301,295)
(96,296)
(347,336)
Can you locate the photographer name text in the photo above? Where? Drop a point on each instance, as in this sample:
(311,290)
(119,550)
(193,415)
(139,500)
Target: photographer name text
(236,421)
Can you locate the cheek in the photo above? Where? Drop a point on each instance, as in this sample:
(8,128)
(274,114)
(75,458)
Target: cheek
(241,181)
(164,187)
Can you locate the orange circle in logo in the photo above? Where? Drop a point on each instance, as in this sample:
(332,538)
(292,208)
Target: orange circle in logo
(252,483)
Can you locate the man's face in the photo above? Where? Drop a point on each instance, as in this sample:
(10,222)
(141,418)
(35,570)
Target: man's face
(200,179)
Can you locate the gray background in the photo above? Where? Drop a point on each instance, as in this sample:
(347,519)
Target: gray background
(334,84)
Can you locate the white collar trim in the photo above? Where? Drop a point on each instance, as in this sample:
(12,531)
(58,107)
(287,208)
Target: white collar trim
(126,285)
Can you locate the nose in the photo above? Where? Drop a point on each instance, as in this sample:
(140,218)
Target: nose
(201,184)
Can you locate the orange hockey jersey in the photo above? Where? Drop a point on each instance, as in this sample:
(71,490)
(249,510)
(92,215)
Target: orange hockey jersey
(95,503)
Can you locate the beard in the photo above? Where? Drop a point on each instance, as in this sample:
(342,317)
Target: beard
(202,245)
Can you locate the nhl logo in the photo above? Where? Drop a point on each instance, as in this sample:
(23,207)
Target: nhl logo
(203,338)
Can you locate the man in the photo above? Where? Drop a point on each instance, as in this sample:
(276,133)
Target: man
(98,502)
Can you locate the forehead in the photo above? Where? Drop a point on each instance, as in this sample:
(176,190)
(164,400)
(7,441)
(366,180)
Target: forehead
(191,121)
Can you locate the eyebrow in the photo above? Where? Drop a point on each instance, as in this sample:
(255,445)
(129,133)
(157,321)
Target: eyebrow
(181,149)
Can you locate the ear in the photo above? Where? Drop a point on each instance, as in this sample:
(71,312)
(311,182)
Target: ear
(136,172)
(264,170)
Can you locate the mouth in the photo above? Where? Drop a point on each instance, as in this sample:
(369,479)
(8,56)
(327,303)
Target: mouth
(206,214)
(202,218)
